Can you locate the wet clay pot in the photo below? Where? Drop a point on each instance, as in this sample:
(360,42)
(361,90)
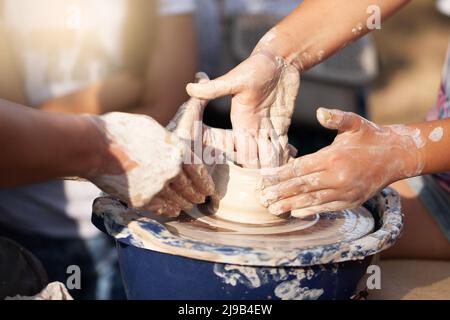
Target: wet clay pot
(207,254)
(236,196)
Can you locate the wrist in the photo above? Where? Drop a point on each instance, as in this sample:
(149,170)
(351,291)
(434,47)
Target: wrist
(277,45)
(96,150)
(407,151)
(286,46)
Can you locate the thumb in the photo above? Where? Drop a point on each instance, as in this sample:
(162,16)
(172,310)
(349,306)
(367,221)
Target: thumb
(190,112)
(339,120)
(212,89)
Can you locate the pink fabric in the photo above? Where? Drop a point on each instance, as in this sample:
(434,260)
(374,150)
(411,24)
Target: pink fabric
(442,111)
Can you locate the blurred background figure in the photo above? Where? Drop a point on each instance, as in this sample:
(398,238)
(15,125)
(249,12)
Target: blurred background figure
(229,30)
(85,56)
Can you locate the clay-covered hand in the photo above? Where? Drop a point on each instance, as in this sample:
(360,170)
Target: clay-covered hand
(363,159)
(144,166)
(263,89)
(209,145)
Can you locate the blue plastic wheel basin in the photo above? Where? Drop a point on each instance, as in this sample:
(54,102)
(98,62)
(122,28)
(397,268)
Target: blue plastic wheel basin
(158,264)
(150,275)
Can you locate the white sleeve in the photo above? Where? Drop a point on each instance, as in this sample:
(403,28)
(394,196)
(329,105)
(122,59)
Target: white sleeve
(175,7)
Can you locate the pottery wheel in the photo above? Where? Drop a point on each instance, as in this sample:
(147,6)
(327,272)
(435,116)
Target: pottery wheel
(321,229)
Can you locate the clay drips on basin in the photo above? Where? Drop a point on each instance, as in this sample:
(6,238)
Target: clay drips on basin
(235,217)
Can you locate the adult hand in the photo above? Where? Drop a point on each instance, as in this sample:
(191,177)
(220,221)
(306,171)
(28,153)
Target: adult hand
(264,88)
(145,166)
(210,145)
(363,159)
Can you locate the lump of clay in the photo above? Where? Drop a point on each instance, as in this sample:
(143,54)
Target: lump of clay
(54,291)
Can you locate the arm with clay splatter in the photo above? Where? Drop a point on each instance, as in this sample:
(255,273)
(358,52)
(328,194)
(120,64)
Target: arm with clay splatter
(108,151)
(264,87)
(363,159)
(319,28)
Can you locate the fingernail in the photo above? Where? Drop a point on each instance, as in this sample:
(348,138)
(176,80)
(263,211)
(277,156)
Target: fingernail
(160,211)
(302,213)
(268,174)
(201,200)
(332,118)
(324,114)
(269,181)
(269,196)
(277,209)
(201,77)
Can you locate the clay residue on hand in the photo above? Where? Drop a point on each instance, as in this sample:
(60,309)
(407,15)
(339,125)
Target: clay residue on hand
(415,136)
(363,159)
(146,170)
(436,135)
(414,133)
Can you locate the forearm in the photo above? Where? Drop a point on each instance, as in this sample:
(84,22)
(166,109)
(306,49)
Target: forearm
(431,146)
(319,28)
(118,93)
(40,146)
(172,65)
